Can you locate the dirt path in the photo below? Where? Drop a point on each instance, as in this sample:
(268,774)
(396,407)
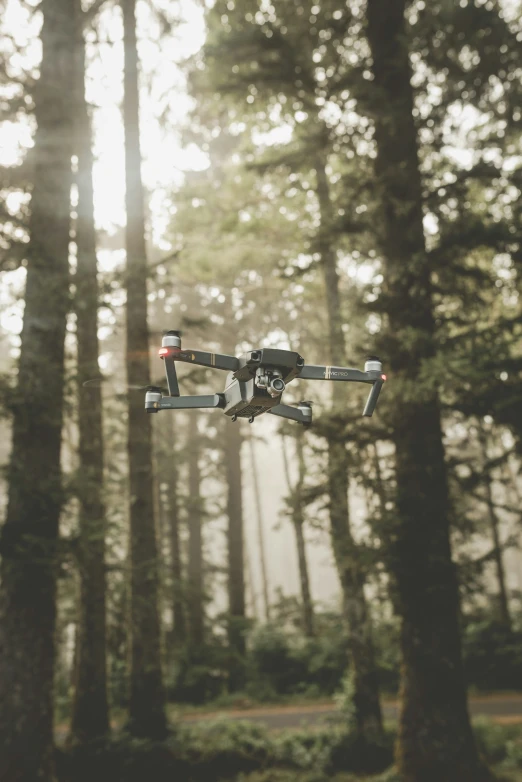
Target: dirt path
(501,708)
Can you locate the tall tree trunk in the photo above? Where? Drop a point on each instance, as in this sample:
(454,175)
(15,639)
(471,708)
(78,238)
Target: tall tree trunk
(295,494)
(368,714)
(435,739)
(171,478)
(503,603)
(250,581)
(195,563)
(236,572)
(147,697)
(90,718)
(260,531)
(30,532)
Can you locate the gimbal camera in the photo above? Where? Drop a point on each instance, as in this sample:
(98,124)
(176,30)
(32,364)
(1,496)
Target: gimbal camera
(255,382)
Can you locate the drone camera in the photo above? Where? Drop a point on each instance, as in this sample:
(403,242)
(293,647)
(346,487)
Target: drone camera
(255,355)
(276,386)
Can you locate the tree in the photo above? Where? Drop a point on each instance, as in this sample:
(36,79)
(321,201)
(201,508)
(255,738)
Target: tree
(170,477)
(195,589)
(235,539)
(90,718)
(435,739)
(260,530)
(147,698)
(297,511)
(30,533)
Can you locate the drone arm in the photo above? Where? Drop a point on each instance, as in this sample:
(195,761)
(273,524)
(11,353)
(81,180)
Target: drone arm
(313,372)
(201,358)
(154,402)
(301,414)
(373,375)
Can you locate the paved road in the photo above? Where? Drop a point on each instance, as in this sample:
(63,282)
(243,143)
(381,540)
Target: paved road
(501,708)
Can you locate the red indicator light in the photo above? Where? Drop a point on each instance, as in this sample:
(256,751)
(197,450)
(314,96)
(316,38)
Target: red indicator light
(383,377)
(164,351)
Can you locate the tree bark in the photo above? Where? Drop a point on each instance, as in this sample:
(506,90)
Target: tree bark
(179,624)
(435,738)
(236,570)
(147,697)
(30,532)
(90,718)
(503,602)
(250,581)
(195,563)
(368,714)
(260,531)
(295,494)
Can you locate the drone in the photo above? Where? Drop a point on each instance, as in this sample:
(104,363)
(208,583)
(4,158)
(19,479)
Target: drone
(255,382)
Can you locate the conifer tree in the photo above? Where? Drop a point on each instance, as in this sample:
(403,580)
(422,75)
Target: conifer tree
(147,698)
(195,586)
(236,566)
(435,738)
(30,533)
(90,717)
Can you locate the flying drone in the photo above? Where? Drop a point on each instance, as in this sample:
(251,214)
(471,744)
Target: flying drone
(256,381)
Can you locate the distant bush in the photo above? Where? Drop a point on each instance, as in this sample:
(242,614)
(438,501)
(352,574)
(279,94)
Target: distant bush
(289,664)
(281,662)
(492,655)
(198,675)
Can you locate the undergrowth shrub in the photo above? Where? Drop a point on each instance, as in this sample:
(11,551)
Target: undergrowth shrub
(220,750)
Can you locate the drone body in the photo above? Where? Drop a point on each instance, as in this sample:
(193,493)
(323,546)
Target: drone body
(256,381)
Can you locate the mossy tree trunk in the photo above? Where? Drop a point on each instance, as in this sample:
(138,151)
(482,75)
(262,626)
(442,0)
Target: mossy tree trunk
(236,568)
(494,524)
(171,477)
(195,589)
(435,739)
(147,698)
(260,531)
(30,533)
(298,520)
(90,717)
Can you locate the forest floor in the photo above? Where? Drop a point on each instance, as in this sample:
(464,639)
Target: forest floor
(216,746)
